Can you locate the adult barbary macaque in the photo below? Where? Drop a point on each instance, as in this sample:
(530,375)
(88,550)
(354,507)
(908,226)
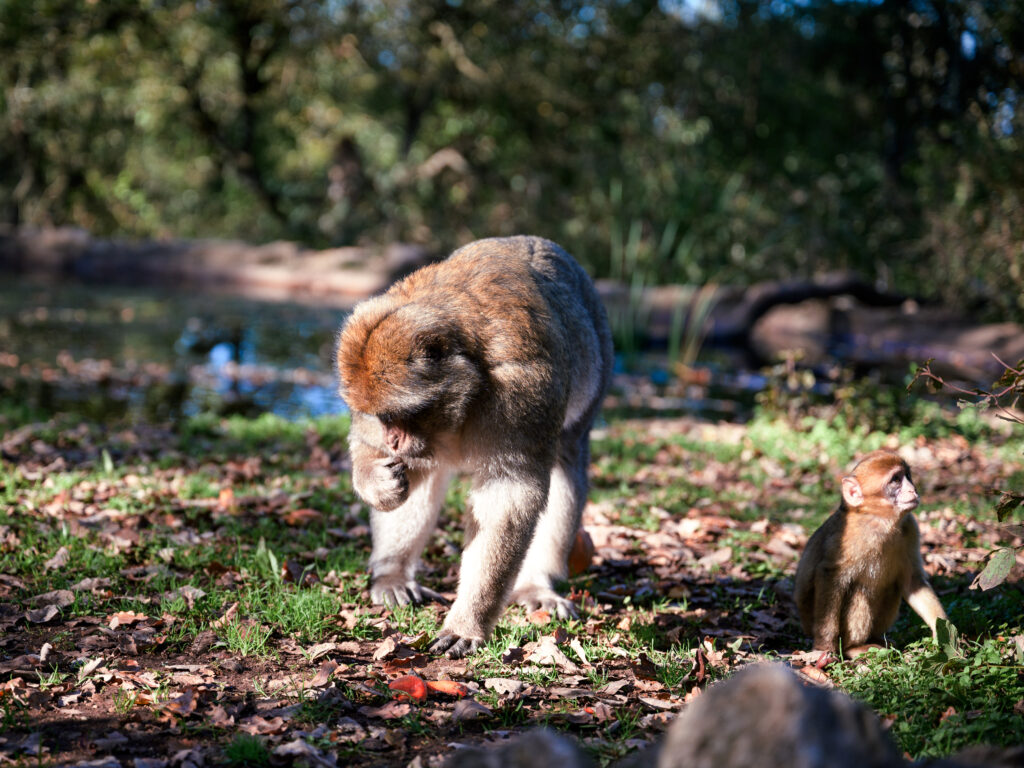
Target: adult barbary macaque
(863,559)
(493,363)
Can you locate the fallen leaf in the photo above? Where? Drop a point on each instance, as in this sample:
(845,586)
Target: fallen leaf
(183,705)
(513,656)
(816,675)
(42,615)
(387,647)
(643,668)
(323,674)
(656,703)
(227,618)
(582,553)
(392,710)
(59,560)
(90,667)
(546,653)
(448,687)
(504,686)
(125,617)
(614,686)
(539,617)
(469,709)
(411,686)
(578,649)
(320,649)
(260,726)
(220,718)
(302,752)
(62,598)
(301,516)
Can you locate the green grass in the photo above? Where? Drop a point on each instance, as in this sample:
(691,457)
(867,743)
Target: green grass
(781,471)
(939,705)
(246,751)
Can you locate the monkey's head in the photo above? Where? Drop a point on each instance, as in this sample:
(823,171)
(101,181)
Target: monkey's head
(880,483)
(412,368)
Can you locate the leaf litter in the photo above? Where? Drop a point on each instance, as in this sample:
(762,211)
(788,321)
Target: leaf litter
(145,624)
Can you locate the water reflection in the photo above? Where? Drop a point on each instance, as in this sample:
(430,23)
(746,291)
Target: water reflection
(121,352)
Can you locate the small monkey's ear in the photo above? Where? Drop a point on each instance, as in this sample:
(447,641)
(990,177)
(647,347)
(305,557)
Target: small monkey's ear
(853,494)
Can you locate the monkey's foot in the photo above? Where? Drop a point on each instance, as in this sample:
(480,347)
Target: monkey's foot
(454,646)
(534,598)
(858,650)
(397,590)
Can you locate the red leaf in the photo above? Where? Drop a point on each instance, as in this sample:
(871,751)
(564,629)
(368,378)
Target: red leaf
(448,687)
(411,686)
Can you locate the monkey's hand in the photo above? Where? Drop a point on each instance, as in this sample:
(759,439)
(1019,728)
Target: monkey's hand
(395,589)
(383,482)
(542,598)
(455,646)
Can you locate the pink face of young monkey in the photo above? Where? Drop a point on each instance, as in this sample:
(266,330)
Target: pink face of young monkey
(884,476)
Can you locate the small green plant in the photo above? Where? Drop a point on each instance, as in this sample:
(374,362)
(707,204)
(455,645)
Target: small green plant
(124,700)
(245,638)
(246,751)
(53,678)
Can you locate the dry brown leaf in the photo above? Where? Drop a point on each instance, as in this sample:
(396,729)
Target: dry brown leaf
(260,726)
(42,615)
(323,675)
(387,647)
(61,558)
(504,686)
(125,617)
(816,675)
(183,705)
(392,710)
(468,709)
(227,618)
(545,652)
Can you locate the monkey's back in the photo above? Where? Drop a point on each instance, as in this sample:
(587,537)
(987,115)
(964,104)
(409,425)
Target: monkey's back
(526,301)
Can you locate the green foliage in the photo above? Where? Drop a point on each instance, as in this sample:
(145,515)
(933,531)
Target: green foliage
(247,751)
(937,694)
(713,142)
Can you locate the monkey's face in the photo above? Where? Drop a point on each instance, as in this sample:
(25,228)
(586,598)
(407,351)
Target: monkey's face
(899,489)
(411,371)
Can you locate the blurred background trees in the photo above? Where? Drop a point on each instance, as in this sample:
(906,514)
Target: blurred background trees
(691,139)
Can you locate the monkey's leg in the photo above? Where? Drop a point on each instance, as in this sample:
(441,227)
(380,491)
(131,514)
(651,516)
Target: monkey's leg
(501,518)
(398,539)
(547,558)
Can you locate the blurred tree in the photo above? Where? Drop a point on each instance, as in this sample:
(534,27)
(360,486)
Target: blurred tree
(663,140)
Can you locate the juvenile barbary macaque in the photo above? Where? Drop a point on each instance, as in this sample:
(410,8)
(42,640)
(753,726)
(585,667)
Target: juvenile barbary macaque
(492,363)
(863,559)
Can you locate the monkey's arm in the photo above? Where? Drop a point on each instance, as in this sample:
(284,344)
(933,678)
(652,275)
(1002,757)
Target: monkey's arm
(916,590)
(380,479)
(828,603)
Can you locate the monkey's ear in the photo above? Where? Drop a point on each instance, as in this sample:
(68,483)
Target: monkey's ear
(853,494)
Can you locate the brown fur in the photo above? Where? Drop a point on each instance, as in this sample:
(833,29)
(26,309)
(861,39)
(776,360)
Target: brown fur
(863,559)
(494,363)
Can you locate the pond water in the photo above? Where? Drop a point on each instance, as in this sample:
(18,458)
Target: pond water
(110,350)
(143,352)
